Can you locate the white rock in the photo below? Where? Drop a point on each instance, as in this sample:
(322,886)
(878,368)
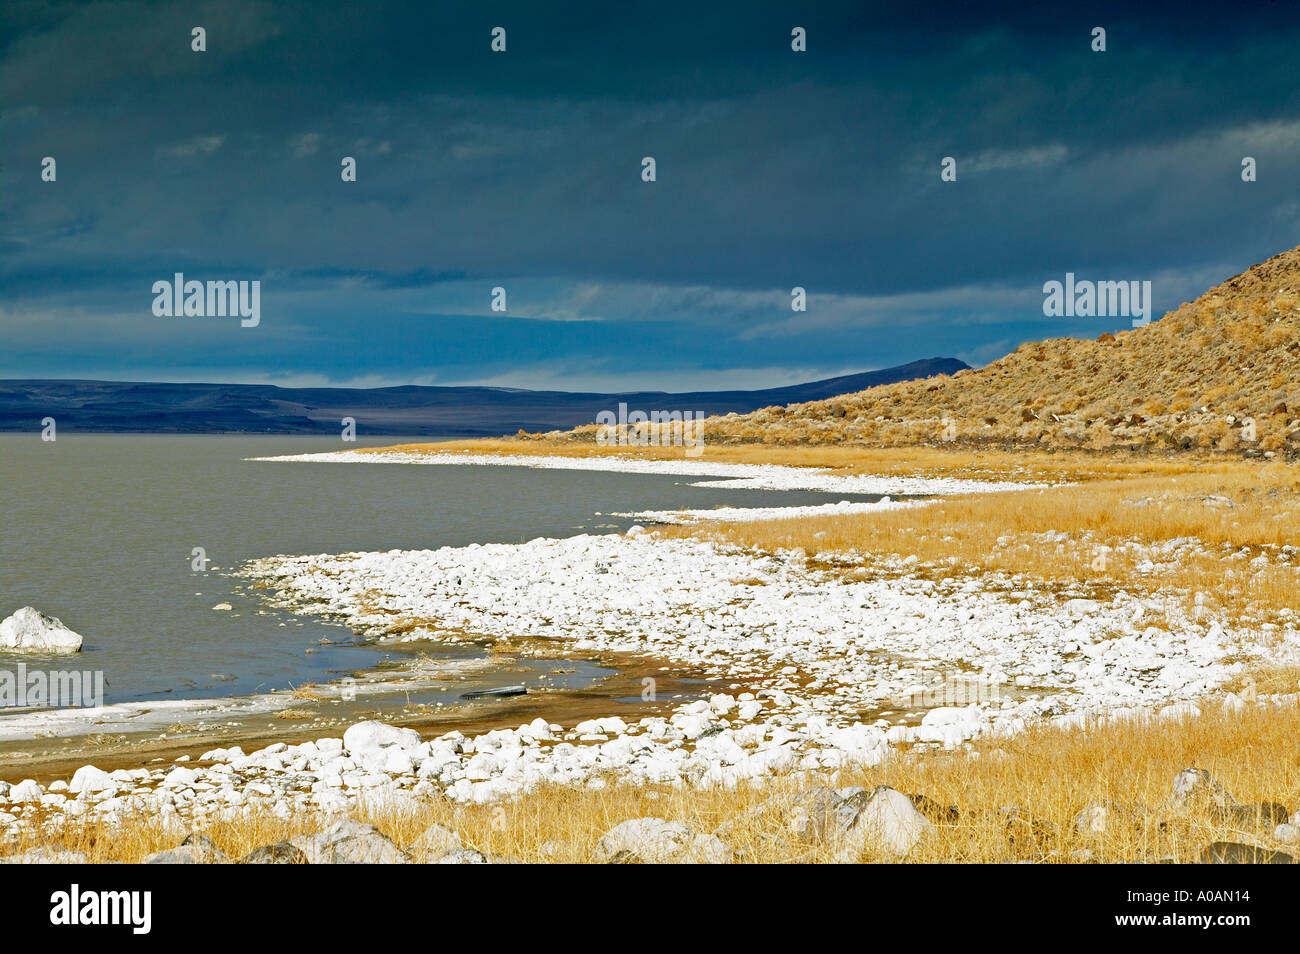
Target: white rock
(890,822)
(31,631)
(434,842)
(89,780)
(371,736)
(655,841)
(45,856)
(348,842)
(26,791)
(180,777)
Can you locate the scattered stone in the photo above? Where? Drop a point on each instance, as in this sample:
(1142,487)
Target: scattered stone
(45,856)
(28,790)
(939,814)
(1288,834)
(890,823)
(651,840)
(655,841)
(461,856)
(1263,815)
(281,853)
(1192,784)
(1098,817)
(1093,819)
(30,631)
(371,736)
(171,856)
(434,842)
(89,780)
(1235,853)
(349,842)
(196,849)
(1026,833)
(813,815)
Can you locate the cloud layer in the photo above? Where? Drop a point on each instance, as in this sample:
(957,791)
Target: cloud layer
(522,170)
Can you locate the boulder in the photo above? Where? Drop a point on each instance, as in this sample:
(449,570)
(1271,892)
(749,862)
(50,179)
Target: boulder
(1266,814)
(31,631)
(281,853)
(1235,853)
(365,737)
(706,850)
(349,842)
(171,856)
(89,780)
(937,813)
(1093,820)
(435,842)
(656,841)
(461,856)
(816,814)
(1193,784)
(650,840)
(45,856)
(196,849)
(1099,817)
(1025,833)
(889,823)
(28,790)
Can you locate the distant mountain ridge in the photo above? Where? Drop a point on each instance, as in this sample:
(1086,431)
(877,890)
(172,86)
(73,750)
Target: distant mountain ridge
(141,407)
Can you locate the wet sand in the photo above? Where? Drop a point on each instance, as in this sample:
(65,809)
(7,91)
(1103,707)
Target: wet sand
(48,759)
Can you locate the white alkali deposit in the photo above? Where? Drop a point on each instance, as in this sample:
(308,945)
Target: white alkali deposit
(822,671)
(729,476)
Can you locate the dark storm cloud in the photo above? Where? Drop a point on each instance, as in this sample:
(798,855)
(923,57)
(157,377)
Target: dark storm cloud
(522,169)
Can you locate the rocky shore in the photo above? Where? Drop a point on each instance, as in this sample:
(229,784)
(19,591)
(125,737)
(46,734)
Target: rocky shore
(826,673)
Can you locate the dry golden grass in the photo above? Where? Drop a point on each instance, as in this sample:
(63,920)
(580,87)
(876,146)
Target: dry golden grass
(294,714)
(1255,507)
(1049,774)
(943,461)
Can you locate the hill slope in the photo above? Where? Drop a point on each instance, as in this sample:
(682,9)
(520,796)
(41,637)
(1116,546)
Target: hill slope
(1214,373)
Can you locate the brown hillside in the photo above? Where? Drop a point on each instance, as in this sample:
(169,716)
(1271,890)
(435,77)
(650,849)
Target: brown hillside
(1197,378)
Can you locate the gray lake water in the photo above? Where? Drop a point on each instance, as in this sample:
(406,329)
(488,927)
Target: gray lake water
(98,530)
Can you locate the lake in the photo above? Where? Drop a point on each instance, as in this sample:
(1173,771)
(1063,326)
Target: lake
(99,531)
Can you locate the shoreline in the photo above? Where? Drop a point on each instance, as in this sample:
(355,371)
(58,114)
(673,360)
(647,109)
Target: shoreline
(39,761)
(734,476)
(805,672)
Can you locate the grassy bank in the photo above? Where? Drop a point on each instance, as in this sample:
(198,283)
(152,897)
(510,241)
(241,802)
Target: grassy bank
(1049,776)
(1110,529)
(922,461)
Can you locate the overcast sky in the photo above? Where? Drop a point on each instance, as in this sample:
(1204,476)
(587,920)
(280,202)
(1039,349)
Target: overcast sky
(522,169)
